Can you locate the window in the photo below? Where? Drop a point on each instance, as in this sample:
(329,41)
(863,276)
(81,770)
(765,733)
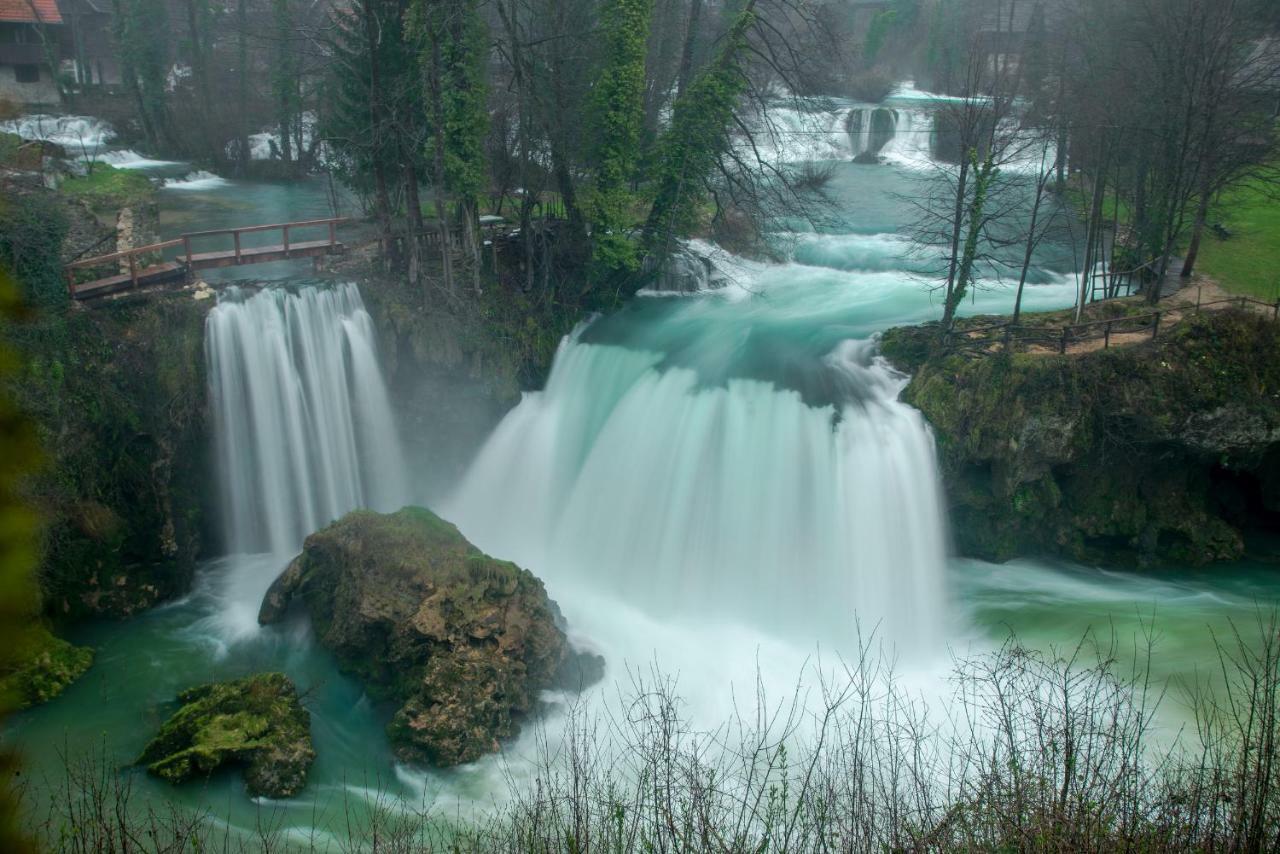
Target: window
(26,73)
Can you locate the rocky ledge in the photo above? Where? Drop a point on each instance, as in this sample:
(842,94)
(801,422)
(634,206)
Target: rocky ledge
(1165,452)
(460,643)
(256,722)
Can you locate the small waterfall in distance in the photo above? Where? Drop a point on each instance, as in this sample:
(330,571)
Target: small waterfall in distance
(303,426)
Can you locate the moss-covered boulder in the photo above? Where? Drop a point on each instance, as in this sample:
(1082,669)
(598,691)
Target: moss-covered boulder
(40,667)
(1153,453)
(257,722)
(460,643)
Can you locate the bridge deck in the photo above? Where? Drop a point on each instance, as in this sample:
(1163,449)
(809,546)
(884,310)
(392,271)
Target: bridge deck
(189,261)
(261,254)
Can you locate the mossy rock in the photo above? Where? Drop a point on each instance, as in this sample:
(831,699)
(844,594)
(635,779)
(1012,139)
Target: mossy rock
(44,665)
(257,722)
(460,643)
(1164,452)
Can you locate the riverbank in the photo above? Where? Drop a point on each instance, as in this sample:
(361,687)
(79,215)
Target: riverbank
(1164,452)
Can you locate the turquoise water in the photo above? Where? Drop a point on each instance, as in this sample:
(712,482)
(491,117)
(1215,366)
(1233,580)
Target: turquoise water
(663,543)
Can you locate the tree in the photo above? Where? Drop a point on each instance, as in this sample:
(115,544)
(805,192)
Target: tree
(142,42)
(616,116)
(699,134)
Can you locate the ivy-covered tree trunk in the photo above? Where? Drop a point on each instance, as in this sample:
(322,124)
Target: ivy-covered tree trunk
(617,114)
(984,173)
(689,151)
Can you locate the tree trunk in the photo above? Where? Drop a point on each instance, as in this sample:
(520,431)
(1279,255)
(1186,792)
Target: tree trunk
(685,77)
(1197,234)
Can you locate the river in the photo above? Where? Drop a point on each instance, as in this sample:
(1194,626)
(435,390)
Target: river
(720,487)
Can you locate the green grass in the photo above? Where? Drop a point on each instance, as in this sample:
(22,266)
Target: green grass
(1249,261)
(106,187)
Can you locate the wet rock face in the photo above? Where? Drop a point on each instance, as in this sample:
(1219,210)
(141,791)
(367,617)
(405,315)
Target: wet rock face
(257,723)
(460,643)
(1143,455)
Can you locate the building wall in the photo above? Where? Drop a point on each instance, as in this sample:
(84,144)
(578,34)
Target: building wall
(44,92)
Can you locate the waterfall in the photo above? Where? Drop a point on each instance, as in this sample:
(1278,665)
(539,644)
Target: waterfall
(303,425)
(75,133)
(735,503)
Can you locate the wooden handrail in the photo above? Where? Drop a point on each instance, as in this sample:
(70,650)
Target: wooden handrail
(127,253)
(253,228)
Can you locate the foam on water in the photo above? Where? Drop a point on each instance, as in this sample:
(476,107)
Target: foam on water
(198,180)
(128,159)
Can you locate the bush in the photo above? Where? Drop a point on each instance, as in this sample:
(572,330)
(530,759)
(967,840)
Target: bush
(32,228)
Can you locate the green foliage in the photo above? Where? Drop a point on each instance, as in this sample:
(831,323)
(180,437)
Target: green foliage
(32,228)
(617,113)
(698,135)
(18,599)
(463,90)
(141,30)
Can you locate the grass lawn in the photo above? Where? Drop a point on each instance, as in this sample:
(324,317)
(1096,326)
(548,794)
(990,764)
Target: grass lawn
(107,188)
(1248,262)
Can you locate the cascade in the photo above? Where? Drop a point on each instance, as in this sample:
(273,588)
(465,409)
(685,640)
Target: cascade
(736,502)
(303,426)
(75,133)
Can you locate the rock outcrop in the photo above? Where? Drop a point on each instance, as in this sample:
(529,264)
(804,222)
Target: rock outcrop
(1154,453)
(460,643)
(257,722)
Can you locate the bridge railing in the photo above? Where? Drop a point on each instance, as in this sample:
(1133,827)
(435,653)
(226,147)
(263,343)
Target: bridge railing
(994,337)
(284,228)
(130,256)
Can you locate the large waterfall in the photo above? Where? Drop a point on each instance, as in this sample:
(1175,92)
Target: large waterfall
(734,503)
(303,426)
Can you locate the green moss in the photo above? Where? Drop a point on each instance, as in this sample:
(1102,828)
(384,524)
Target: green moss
(41,667)
(118,396)
(257,722)
(105,187)
(1108,456)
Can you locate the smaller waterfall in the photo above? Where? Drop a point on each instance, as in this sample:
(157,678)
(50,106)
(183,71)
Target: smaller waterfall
(303,424)
(75,133)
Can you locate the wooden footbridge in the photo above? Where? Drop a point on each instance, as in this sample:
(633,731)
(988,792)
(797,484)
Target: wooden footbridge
(146,265)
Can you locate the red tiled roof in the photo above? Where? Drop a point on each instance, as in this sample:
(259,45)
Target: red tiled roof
(26,12)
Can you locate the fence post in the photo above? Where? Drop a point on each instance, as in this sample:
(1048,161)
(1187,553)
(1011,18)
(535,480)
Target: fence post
(236,236)
(333,232)
(1062,343)
(286,240)
(1275,310)
(71,283)
(1155,327)
(1106,336)
(133,270)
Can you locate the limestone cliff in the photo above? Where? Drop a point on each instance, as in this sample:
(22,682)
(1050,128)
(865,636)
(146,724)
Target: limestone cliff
(1160,452)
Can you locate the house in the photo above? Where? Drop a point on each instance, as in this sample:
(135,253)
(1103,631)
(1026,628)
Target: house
(30,51)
